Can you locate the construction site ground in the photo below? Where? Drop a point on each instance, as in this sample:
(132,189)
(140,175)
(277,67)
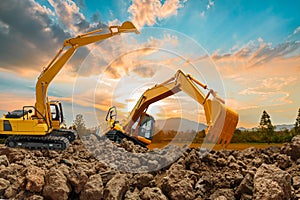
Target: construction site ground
(253,173)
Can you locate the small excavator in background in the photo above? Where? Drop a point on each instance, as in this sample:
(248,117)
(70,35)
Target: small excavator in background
(139,126)
(39,126)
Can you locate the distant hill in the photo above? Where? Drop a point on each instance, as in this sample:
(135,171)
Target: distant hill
(185,125)
(182,125)
(284,126)
(277,127)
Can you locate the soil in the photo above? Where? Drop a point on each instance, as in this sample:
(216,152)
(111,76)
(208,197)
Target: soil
(101,170)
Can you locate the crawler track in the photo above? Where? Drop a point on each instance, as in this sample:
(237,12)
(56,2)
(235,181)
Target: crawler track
(58,139)
(38,142)
(117,136)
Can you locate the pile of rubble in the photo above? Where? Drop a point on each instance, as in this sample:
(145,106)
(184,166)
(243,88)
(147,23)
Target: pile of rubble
(127,171)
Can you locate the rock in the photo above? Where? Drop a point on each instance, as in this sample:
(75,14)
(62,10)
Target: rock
(283,161)
(272,150)
(250,152)
(152,165)
(256,162)
(246,197)
(234,178)
(179,183)
(116,187)
(4,150)
(234,166)
(245,187)
(3,185)
(132,195)
(296,182)
(56,185)
(77,179)
(3,160)
(231,159)
(11,191)
(34,197)
(143,180)
(135,161)
(16,155)
(221,162)
(295,147)
(106,176)
(270,182)
(4,172)
(242,164)
(224,194)
(93,189)
(35,179)
(152,193)
(181,190)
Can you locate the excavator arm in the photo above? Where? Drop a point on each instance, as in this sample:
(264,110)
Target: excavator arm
(221,120)
(62,57)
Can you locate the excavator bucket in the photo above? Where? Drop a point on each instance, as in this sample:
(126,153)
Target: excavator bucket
(128,27)
(223,123)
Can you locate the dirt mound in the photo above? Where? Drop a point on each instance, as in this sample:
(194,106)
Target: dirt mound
(76,173)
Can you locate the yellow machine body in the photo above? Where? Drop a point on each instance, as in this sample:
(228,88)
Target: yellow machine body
(47,116)
(221,120)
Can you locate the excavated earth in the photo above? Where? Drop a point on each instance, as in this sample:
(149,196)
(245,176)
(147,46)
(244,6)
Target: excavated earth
(76,173)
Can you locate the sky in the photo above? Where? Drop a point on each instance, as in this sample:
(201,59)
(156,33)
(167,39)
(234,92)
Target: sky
(248,51)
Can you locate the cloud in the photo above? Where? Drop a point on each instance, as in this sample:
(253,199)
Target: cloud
(69,15)
(4,28)
(147,12)
(271,90)
(296,31)
(260,76)
(30,34)
(202,14)
(12,102)
(210,4)
(255,54)
(118,57)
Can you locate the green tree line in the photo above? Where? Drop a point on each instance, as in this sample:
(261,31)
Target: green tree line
(265,133)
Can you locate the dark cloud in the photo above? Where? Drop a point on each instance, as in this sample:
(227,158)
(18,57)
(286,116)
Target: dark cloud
(256,54)
(266,52)
(30,37)
(96,17)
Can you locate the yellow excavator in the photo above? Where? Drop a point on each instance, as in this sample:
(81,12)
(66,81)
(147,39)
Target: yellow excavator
(39,126)
(139,126)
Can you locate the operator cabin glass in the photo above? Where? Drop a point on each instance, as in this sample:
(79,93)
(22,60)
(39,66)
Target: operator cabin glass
(145,129)
(54,113)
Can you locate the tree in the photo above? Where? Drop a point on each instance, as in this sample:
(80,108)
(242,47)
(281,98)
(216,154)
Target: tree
(266,127)
(79,124)
(297,124)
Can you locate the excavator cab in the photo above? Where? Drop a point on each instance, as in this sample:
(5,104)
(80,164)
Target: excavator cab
(143,128)
(56,114)
(141,131)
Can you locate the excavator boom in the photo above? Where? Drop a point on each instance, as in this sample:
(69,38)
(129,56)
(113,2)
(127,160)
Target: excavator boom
(62,57)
